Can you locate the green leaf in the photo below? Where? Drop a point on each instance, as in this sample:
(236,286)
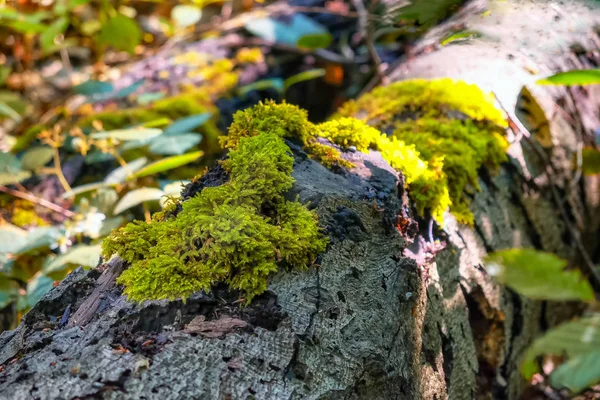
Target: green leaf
(590,161)
(78,255)
(148,98)
(167,163)
(288,31)
(93,88)
(263,84)
(128,134)
(128,90)
(120,174)
(37,288)
(5,72)
(572,339)
(10,170)
(174,144)
(121,32)
(303,76)
(315,41)
(575,77)
(187,124)
(37,157)
(14,240)
(27,27)
(578,373)
(459,36)
(84,188)
(48,36)
(136,197)
(9,112)
(538,275)
(186,15)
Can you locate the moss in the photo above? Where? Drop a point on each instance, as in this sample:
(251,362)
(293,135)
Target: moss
(238,233)
(267,116)
(442,133)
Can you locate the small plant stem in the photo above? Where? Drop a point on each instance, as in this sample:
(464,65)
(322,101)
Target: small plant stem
(146,212)
(37,200)
(58,171)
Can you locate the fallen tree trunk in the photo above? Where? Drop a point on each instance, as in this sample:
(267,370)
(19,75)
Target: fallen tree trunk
(372,321)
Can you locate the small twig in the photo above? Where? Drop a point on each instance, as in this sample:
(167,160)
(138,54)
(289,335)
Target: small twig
(367,32)
(58,171)
(36,200)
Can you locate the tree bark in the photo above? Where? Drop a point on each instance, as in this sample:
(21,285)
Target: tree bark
(385,315)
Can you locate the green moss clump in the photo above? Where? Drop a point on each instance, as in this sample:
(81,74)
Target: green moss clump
(238,233)
(267,117)
(452,127)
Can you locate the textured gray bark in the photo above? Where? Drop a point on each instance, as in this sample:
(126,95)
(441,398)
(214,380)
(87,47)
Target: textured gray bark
(371,322)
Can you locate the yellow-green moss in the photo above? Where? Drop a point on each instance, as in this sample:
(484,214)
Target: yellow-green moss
(267,117)
(238,233)
(452,127)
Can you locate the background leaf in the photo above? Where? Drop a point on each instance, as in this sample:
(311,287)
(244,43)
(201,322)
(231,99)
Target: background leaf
(315,41)
(571,339)
(187,124)
(578,373)
(49,35)
(288,31)
(174,144)
(136,197)
(138,133)
(79,255)
(538,275)
(263,84)
(37,157)
(575,77)
(37,288)
(121,32)
(120,174)
(186,15)
(167,163)
(590,161)
(304,76)
(10,169)
(92,88)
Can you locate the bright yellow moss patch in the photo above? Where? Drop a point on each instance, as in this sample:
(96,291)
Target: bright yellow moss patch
(441,133)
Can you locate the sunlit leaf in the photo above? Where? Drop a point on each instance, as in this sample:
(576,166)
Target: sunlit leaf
(263,84)
(36,157)
(128,134)
(315,41)
(168,163)
(459,36)
(121,32)
(578,373)
(93,88)
(48,36)
(304,76)
(287,31)
(5,71)
(571,339)
(575,77)
(37,288)
(27,27)
(120,174)
(186,15)
(174,144)
(78,255)
(136,197)
(187,124)
(109,224)
(538,275)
